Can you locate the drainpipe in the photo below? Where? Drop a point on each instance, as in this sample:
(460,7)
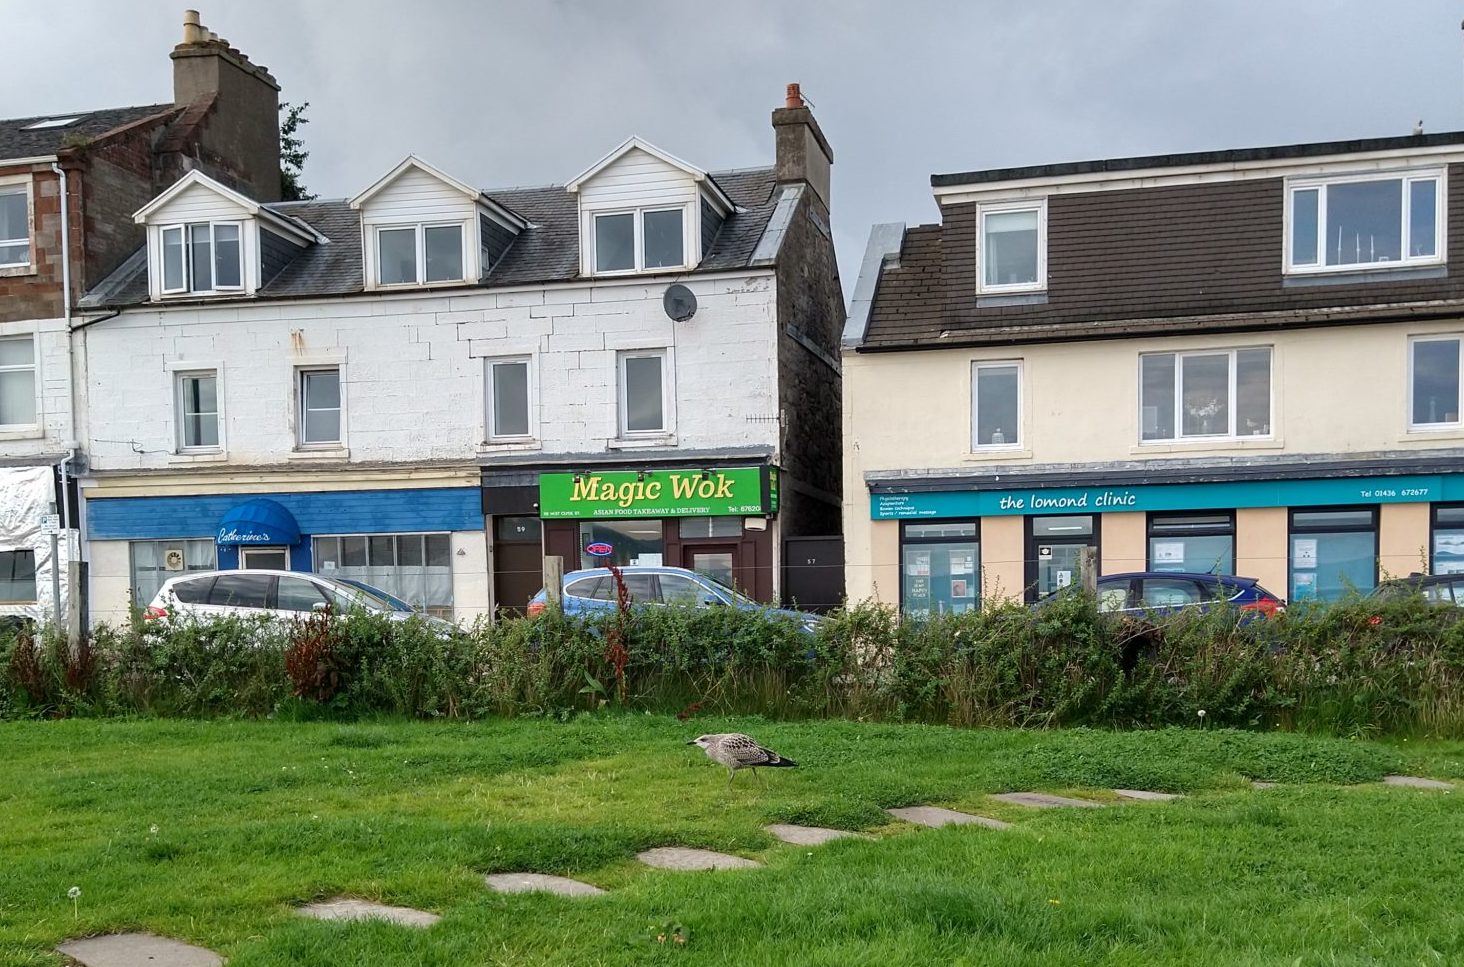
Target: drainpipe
(71,445)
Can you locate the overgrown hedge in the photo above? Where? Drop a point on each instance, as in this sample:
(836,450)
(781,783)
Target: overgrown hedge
(1355,667)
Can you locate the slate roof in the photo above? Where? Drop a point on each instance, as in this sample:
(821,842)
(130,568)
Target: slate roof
(547,251)
(909,302)
(16,142)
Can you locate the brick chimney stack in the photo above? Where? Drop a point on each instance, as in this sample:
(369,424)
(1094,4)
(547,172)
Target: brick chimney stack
(802,152)
(235,106)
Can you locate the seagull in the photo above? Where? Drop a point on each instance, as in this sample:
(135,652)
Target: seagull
(737,751)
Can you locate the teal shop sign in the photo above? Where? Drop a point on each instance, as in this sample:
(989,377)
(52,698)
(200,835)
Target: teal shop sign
(1099,500)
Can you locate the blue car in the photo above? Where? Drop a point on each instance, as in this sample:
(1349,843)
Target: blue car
(593,590)
(1168,592)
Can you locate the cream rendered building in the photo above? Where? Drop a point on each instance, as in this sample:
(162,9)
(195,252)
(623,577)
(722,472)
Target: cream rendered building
(1242,362)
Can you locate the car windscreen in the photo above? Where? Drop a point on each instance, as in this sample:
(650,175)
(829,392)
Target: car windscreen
(731,592)
(382,599)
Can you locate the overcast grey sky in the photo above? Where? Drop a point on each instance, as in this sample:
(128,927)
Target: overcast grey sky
(503,94)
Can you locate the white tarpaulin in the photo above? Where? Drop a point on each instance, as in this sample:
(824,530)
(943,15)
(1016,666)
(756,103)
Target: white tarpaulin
(28,494)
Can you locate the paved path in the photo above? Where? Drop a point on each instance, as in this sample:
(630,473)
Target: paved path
(1041,800)
(935,817)
(345,908)
(684,858)
(540,882)
(138,950)
(1417,782)
(809,835)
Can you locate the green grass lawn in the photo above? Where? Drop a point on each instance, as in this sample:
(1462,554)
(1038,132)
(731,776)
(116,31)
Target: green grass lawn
(255,818)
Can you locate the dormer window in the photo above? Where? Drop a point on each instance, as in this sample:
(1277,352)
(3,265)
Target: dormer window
(417,254)
(203,257)
(1365,221)
(640,240)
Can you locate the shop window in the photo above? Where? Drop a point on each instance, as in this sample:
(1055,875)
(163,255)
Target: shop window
(996,405)
(18,576)
(1433,385)
(414,567)
(629,542)
(940,568)
(1198,543)
(1333,551)
(1219,394)
(154,562)
(694,527)
(1448,540)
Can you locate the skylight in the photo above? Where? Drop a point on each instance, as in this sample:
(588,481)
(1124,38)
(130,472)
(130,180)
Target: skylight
(52,123)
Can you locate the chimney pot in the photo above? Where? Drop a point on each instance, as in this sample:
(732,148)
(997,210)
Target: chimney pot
(794,97)
(192,27)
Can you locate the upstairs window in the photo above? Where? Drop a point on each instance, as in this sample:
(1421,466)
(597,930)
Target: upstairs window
(1376,221)
(1433,386)
(15,243)
(198,411)
(320,407)
(419,254)
(996,405)
(17,381)
(643,404)
(1206,395)
(510,399)
(203,257)
(640,240)
(1013,247)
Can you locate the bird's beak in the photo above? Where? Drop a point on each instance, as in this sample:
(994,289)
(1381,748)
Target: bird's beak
(692,742)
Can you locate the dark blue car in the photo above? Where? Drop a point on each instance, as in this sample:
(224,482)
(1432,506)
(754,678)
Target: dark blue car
(1167,592)
(593,589)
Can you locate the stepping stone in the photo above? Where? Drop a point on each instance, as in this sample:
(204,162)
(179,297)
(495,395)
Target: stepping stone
(1146,795)
(540,882)
(809,835)
(343,908)
(1262,784)
(1417,782)
(138,950)
(1041,800)
(936,817)
(684,858)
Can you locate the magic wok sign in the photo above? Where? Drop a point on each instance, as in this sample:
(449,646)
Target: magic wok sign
(728,492)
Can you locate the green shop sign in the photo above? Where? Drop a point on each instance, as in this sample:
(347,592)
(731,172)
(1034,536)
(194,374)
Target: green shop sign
(659,493)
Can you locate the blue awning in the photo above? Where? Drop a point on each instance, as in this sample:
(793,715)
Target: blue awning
(259,521)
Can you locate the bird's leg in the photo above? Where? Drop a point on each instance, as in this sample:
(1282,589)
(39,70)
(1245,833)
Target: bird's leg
(731,774)
(756,776)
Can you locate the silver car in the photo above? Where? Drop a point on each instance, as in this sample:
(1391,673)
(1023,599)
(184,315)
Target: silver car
(276,594)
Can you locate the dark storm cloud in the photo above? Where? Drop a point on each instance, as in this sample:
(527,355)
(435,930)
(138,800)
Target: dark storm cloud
(527,93)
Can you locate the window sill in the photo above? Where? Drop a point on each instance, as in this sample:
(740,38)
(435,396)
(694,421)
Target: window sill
(415,286)
(10,271)
(324,454)
(1024,297)
(642,443)
(1190,446)
(509,446)
(1429,436)
(998,453)
(1401,272)
(21,433)
(200,456)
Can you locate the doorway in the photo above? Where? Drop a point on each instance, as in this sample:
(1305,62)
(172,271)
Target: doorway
(1055,550)
(518,562)
(716,561)
(269,558)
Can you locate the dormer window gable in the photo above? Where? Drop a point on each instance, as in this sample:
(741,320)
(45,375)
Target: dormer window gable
(421,227)
(206,240)
(644,211)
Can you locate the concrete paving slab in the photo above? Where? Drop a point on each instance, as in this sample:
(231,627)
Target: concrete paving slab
(1041,800)
(684,858)
(138,950)
(345,908)
(1417,782)
(1146,795)
(1262,784)
(540,882)
(936,817)
(809,835)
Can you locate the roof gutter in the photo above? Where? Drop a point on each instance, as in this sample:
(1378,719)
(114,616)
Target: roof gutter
(40,159)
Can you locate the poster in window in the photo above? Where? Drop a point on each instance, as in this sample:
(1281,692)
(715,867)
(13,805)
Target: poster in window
(1304,585)
(960,588)
(1304,553)
(1064,578)
(919,590)
(963,562)
(1169,552)
(919,564)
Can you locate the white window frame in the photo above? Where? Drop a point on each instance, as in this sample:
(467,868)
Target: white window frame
(35,370)
(1437,175)
(1413,341)
(21,186)
(185,229)
(1038,205)
(180,414)
(668,413)
(688,224)
(1233,408)
(1019,442)
(301,402)
(420,238)
(531,389)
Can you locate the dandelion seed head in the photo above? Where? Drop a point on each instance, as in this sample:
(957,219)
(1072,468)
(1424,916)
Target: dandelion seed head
(74,892)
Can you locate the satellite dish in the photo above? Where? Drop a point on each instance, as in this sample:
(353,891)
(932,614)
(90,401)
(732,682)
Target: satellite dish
(679,303)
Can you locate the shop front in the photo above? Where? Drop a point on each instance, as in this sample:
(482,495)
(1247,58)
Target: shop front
(720,521)
(1303,538)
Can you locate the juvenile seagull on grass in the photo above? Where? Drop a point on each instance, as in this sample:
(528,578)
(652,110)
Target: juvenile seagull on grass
(737,751)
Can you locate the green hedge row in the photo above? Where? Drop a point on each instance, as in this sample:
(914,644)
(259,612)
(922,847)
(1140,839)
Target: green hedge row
(1355,667)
